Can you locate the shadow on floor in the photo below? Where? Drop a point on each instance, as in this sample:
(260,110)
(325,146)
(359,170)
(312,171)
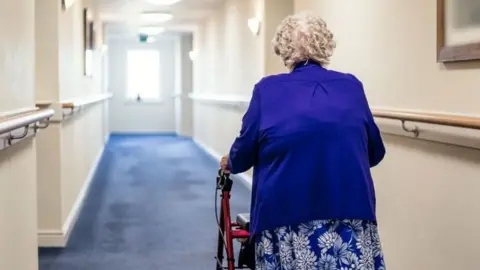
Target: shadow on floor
(150,207)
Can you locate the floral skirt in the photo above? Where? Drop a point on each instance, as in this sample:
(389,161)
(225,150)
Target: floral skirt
(321,245)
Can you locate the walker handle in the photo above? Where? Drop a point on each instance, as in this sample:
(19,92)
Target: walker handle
(224,182)
(223,173)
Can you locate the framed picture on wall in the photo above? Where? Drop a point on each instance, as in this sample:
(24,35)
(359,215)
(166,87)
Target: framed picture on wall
(88,41)
(458,30)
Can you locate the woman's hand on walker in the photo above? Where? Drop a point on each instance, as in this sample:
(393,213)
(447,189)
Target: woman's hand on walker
(224,164)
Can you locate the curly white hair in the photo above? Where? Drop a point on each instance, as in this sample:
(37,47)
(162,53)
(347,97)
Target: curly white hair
(302,37)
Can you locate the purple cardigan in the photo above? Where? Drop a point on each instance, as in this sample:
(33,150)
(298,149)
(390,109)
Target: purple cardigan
(312,140)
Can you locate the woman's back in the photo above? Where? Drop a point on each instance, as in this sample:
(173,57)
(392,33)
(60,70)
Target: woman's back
(316,142)
(312,140)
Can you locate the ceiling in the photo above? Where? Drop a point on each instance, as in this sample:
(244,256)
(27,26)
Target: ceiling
(123,16)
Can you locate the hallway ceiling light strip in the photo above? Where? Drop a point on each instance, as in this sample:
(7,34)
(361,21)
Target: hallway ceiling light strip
(152,17)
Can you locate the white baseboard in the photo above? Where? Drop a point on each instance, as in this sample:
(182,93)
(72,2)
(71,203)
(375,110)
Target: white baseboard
(241,177)
(51,238)
(59,238)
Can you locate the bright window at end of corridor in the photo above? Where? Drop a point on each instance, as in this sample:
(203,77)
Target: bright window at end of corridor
(143,75)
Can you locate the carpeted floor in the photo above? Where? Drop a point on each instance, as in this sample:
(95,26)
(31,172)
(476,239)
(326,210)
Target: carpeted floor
(150,207)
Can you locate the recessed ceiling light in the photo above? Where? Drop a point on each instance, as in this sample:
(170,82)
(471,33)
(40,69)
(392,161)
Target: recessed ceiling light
(151,30)
(163,2)
(156,17)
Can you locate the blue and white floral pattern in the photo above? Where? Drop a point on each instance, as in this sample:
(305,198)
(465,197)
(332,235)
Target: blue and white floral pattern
(321,245)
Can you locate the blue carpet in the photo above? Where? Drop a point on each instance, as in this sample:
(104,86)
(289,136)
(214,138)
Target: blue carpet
(150,207)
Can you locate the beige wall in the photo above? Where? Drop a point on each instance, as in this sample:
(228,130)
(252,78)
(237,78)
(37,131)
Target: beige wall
(81,143)
(18,224)
(221,43)
(275,11)
(427,192)
(391,46)
(68,150)
(237,59)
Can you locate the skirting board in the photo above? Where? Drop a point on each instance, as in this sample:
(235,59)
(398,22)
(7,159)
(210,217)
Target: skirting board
(59,238)
(142,133)
(244,178)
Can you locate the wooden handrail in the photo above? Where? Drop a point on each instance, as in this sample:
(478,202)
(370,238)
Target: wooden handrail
(10,122)
(86,101)
(451,120)
(469,122)
(43,103)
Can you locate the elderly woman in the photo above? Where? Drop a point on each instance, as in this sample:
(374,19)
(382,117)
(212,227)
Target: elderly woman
(311,138)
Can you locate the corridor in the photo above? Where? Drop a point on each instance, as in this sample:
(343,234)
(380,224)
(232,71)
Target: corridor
(151,206)
(116,115)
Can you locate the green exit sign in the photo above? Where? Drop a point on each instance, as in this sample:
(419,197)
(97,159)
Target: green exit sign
(143,38)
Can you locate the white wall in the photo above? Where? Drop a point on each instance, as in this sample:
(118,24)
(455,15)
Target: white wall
(18,223)
(72,145)
(230,60)
(184,86)
(130,116)
(224,46)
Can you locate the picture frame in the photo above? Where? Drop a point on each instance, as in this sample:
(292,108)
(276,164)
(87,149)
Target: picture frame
(458,21)
(88,41)
(88,30)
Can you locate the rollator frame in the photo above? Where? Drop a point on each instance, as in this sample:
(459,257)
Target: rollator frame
(228,230)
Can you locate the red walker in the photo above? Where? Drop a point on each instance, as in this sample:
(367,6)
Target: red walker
(228,230)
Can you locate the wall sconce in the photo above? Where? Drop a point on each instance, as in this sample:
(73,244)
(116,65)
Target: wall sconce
(192,55)
(254,25)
